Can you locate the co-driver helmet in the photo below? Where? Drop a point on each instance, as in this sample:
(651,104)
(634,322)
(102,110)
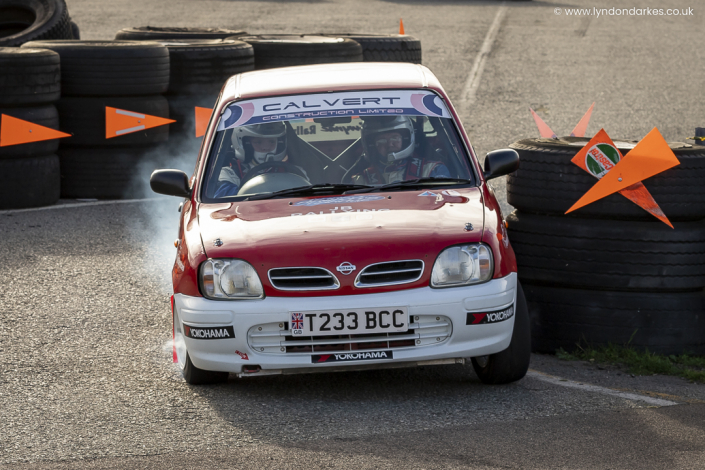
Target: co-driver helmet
(376,125)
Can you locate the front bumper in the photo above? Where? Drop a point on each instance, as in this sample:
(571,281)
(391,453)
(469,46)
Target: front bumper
(262,343)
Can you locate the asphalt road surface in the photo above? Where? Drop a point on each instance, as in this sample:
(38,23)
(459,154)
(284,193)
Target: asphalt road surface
(86,379)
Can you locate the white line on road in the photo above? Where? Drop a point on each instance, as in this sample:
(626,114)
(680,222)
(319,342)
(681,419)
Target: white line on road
(473,82)
(79,204)
(597,389)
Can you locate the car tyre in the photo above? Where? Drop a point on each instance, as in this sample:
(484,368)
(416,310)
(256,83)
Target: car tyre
(29,76)
(153,33)
(110,68)
(75,31)
(547,182)
(646,256)
(201,66)
(192,374)
(195,376)
(284,50)
(386,47)
(29,182)
(30,20)
(664,323)
(511,364)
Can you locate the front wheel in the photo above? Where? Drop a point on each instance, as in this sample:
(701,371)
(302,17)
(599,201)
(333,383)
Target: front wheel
(511,364)
(192,374)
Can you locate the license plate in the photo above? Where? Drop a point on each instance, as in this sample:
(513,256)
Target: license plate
(349,322)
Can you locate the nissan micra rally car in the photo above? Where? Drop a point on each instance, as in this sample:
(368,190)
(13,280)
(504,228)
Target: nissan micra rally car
(338,219)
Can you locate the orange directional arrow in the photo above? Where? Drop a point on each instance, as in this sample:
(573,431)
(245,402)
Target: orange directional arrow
(601,158)
(580,129)
(203,115)
(120,122)
(15,131)
(544,130)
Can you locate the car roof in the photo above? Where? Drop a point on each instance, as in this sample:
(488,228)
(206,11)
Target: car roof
(328,77)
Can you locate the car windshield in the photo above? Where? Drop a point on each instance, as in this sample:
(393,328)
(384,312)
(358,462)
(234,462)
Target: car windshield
(334,143)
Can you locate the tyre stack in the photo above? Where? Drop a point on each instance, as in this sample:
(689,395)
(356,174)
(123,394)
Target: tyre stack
(609,272)
(284,50)
(29,87)
(386,47)
(201,61)
(125,75)
(22,21)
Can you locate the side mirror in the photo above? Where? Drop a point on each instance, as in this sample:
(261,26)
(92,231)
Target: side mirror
(500,163)
(170,182)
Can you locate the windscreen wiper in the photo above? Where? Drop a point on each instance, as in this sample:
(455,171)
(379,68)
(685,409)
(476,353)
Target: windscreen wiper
(410,184)
(332,188)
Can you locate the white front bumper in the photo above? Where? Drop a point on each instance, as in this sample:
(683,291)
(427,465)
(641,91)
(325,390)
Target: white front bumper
(451,304)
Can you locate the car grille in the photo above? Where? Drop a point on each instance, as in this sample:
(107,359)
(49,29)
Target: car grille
(276,338)
(390,273)
(304,278)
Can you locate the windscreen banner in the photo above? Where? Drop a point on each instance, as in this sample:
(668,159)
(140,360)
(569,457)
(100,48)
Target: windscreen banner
(328,105)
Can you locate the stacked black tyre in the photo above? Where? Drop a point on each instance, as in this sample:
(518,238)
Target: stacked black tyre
(29,87)
(201,61)
(31,20)
(386,47)
(125,75)
(284,50)
(609,272)
(199,69)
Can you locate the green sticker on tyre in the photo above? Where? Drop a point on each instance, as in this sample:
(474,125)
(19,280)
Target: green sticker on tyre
(601,158)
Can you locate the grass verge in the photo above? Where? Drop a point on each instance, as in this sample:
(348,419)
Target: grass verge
(641,362)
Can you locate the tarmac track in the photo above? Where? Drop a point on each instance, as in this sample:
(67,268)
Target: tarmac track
(85,374)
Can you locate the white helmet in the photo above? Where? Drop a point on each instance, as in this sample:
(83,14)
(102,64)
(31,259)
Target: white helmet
(270,130)
(375,125)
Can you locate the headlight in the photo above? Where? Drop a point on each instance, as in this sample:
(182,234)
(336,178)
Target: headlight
(230,279)
(462,265)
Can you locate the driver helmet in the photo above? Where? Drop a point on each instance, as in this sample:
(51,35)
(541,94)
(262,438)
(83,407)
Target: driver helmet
(373,130)
(269,141)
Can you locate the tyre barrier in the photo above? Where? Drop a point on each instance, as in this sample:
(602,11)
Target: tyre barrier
(547,182)
(31,20)
(189,67)
(386,47)
(153,33)
(610,255)
(126,75)
(284,50)
(198,70)
(609,272)
(29,87)
(665,323)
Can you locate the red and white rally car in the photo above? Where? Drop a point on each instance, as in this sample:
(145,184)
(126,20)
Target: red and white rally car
(338,219)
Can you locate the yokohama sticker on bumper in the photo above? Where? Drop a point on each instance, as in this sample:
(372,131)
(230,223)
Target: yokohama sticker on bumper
(481,318)
(214,332)
(352,356)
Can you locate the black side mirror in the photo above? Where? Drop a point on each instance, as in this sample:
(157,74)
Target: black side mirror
(170,182)
(500,163)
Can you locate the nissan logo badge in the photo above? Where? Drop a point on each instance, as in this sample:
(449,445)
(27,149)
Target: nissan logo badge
(345,268)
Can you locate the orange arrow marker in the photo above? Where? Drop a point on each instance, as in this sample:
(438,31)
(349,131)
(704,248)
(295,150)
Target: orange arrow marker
(603,161)
(120,122)
(203,115)
(580,129)
(650,157)
(15,131)
(544,130)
